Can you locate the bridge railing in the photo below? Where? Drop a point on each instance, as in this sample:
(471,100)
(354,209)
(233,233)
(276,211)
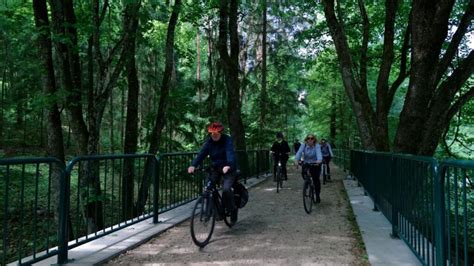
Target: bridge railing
(430,205)
(458,187)
(93,196)
(342,158)
(29,197)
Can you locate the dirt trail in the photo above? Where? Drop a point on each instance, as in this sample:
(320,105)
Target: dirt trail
(272,229)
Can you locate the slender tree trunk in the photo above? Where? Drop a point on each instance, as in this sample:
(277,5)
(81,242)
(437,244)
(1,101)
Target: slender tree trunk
(230,64)
(332,119)
(2,103)
(263,93)
(111,123)
(55,140)
(131,131)
(211,99)
(160,116)
(59,18)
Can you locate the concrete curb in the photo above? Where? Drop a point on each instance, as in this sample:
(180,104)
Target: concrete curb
(375,229)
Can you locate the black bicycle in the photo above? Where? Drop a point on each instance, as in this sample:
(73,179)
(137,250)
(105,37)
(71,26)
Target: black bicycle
(324,172)
(208,209)
(279,178)
(309,191)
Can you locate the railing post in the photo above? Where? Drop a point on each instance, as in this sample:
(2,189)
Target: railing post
(64,195)
(373,180)
(395,196)
(439,221)
(155,188)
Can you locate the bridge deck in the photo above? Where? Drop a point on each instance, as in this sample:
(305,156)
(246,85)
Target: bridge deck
(272,229)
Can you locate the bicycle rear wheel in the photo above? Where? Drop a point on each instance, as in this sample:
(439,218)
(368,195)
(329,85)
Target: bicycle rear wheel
(307,196)
(278,179)
(203,219)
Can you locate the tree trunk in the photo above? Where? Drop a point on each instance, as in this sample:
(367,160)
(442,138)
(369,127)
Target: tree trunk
(65,53)
(111,123)
(332,118)
(358,97)
(230,64)
(211,106)
(432,97)
(55,141)
(429,100)
(263,93)
(106,74)
(160,116)
(131,131)
(2,104)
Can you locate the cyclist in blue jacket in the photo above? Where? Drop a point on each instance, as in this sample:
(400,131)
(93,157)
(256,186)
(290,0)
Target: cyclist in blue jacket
(326,151)
(219,147)
(310,151)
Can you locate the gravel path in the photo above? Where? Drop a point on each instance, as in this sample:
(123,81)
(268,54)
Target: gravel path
(272,229)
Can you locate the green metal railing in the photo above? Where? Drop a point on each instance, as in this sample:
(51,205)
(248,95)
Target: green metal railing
(342,158)
(458,202)
(99,200)
(29,196)
(95,196)
(430,209)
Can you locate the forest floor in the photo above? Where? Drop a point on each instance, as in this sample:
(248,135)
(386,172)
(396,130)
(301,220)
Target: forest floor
(272,229)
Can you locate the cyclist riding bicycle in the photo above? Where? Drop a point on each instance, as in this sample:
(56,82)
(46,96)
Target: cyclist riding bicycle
(281,151)
(220,149)
(326,151)
(311,152)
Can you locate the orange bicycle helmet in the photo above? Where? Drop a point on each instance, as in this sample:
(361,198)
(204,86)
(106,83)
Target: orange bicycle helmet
(215,127)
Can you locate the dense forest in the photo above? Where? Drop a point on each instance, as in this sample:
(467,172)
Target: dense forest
(137,76)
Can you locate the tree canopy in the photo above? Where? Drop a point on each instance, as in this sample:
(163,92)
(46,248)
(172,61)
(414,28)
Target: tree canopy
(138,76)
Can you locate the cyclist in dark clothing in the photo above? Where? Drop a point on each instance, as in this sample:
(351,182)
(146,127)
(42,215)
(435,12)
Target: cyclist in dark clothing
(220,149)
(281,151)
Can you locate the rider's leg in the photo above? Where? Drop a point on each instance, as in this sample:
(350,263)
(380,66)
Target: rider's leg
(275,165)
(315,170)
(328,159)
(283,167)
(228,196)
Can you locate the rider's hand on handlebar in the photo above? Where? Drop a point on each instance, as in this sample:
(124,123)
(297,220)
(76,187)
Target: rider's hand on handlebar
(225,169)
(191,169)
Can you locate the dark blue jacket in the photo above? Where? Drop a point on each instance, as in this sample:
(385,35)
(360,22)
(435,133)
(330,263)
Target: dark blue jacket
(221,153)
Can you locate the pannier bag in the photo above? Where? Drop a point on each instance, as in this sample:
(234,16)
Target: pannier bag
(241,195)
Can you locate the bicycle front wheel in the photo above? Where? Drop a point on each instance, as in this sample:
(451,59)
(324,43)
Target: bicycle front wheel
(307,197)
(203,220)
(278,179)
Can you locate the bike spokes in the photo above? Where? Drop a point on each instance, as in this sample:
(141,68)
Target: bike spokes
(307,197)
(202,221)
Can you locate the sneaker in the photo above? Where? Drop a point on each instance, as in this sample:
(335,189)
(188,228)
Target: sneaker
(233,216)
